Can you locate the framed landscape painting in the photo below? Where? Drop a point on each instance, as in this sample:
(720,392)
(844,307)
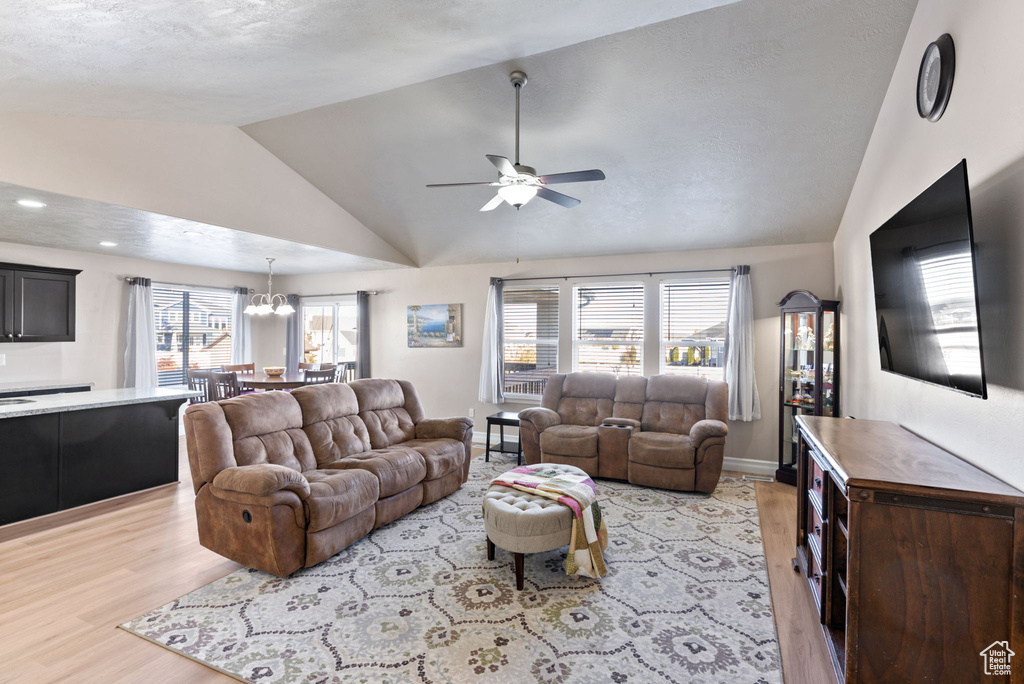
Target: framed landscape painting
(435,325)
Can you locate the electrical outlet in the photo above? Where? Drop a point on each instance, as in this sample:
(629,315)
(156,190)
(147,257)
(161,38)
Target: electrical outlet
(472,412)
(3,359)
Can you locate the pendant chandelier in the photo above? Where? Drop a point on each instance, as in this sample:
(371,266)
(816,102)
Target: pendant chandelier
(261,304)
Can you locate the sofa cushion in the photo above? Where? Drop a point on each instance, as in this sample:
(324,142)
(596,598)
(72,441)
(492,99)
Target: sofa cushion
(569,440)
(266,428)
(337,495)
(584,410)
(396,468)
(441,456)
(668,416)
(661,449)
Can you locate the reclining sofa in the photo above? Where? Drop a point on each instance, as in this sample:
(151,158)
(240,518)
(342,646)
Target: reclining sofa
(285,480)
(664,431)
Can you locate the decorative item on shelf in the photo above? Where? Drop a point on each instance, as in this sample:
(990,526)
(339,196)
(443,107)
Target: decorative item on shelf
(935,78)
(264,303)
(274,371)
(435,325)
(830,336)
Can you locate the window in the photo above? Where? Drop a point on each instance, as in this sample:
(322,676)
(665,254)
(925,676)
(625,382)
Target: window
(609,328)
(530,346)
(693,325)
(329,331)
(193,331)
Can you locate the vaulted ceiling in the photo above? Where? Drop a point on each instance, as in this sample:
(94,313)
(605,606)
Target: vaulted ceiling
(718,123)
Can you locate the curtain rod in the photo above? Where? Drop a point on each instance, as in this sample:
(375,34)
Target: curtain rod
(129,279)
(616,275)
(340,294)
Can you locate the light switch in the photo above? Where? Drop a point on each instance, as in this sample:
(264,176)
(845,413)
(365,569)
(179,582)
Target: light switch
(3,359)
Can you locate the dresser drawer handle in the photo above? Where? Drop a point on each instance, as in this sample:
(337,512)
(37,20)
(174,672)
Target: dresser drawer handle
(817,530)
(817,483)
(816,578)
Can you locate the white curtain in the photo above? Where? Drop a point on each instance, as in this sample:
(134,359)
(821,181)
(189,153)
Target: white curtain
(491,371)
(140,340)
(241,328)
(744,404)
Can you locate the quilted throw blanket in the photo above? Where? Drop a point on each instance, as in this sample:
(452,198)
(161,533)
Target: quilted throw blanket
(578,492)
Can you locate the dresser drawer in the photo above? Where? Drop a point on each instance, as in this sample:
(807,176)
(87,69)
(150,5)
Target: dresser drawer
(816,578)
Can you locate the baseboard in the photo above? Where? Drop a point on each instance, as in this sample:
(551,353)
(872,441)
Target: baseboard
(754,466)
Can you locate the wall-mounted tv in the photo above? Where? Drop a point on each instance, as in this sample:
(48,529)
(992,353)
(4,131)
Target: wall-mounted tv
(926,289)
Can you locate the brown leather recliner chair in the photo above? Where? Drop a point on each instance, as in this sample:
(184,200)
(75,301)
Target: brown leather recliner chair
(666,431)
(286,480)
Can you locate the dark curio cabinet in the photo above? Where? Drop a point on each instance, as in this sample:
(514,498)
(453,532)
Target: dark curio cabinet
(37,304)
(809,370)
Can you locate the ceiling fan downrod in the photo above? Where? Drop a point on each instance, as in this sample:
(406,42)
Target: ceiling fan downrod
(518,79)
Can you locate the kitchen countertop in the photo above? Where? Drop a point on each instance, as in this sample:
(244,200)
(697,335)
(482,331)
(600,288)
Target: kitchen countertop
(80,401)
(26,386)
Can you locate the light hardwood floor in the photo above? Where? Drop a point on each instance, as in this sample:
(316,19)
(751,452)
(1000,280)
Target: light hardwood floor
(67,582)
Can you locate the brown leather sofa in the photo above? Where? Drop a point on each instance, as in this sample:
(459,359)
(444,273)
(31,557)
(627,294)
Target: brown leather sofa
(664,431)
(285,480)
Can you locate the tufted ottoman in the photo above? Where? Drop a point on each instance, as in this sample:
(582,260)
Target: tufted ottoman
(521,522)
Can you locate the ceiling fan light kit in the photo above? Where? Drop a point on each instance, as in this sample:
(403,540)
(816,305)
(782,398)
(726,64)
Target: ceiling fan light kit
(517,183)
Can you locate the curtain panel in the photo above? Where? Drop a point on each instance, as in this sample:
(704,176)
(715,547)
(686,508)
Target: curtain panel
(241,327)
(140,337)
(492,359)
(363,334)
(295,342)
(744,402)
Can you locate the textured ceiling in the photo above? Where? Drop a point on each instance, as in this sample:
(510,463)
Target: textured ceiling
(741,125)
(237,62)
(81,224)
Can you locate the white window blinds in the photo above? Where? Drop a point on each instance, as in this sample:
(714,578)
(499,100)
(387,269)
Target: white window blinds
(693,327)
(530,345)
(609,328)
(193,331)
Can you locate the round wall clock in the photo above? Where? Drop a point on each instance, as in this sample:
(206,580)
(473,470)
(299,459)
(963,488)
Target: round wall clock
(935,78)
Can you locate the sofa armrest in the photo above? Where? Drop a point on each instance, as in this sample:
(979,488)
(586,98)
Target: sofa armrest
(541,418)
(452,428)
(625,422)
(262,479)
(704,429)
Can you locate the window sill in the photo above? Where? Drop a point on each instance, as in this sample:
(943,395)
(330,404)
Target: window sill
(528,399)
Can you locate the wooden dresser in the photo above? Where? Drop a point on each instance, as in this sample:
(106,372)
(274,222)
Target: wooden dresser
(915,558)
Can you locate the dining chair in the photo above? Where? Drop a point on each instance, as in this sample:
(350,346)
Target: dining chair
(328,366)
(348,373)
(317,377)
(306,366)
(241,367)
(201,381)
(225,385)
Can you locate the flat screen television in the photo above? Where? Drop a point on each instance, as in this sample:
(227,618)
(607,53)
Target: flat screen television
(926,289)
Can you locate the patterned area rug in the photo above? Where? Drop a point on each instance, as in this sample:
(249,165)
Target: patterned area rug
(685,600)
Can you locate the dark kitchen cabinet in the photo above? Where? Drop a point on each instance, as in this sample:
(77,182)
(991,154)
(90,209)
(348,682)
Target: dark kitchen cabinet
(29,466)
(37,304)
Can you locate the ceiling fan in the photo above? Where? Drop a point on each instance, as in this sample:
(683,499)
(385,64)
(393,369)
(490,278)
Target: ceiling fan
(517,183)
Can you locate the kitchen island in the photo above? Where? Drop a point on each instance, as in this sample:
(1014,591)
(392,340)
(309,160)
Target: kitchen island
(59,451)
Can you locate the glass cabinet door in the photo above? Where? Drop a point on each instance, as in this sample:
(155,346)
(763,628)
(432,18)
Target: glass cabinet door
(799,375)
(828,353)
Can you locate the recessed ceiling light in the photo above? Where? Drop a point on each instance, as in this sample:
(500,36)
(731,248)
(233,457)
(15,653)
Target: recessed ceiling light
(31,204)
(108,243)
(192,233)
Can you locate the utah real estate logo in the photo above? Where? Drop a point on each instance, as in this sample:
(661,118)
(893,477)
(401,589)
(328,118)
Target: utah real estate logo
(997,658)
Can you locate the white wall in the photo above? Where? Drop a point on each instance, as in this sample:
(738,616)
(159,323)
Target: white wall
(983,123)
(447,379)
(97,354)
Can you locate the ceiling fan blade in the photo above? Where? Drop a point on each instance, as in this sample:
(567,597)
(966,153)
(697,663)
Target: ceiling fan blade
(452,185)
(573,177)
(504,166)
(557,198)
(493,204)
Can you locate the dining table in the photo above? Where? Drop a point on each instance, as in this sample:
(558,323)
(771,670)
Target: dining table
(261,381)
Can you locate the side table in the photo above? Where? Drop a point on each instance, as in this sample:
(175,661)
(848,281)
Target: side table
(501,419)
